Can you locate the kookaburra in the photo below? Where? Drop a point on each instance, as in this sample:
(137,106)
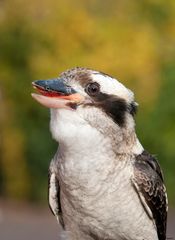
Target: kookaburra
(102,183)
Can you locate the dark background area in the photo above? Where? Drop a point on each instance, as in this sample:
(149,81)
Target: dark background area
(21,221)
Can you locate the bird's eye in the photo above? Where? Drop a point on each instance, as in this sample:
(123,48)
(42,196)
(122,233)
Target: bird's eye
(92,89)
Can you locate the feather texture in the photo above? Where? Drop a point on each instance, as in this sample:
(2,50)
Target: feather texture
(148,182)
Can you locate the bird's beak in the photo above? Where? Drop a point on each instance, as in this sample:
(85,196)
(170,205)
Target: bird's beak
(56,93)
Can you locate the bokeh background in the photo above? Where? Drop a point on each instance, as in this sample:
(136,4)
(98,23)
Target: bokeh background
(131,40)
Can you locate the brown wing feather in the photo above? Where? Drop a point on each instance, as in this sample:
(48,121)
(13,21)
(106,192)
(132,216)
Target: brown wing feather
(148,182)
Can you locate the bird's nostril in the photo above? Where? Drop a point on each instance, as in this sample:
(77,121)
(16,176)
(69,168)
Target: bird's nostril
(47,88)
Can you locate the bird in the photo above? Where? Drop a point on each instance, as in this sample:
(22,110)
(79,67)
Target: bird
(103,184)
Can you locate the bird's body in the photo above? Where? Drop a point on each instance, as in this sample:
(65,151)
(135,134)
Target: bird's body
(102,209)
(102,183)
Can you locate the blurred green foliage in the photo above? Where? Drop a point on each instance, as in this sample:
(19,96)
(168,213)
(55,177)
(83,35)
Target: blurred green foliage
(132,40)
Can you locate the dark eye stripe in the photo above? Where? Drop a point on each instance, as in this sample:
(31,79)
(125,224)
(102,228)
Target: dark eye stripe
(114,107)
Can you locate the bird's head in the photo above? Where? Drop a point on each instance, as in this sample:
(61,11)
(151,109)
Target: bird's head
(89,97)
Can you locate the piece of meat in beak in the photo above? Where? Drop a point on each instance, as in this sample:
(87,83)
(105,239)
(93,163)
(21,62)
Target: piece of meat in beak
(55,93)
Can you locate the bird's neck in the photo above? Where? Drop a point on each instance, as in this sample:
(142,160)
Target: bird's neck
(128,144)
(88,144)
(78,140)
